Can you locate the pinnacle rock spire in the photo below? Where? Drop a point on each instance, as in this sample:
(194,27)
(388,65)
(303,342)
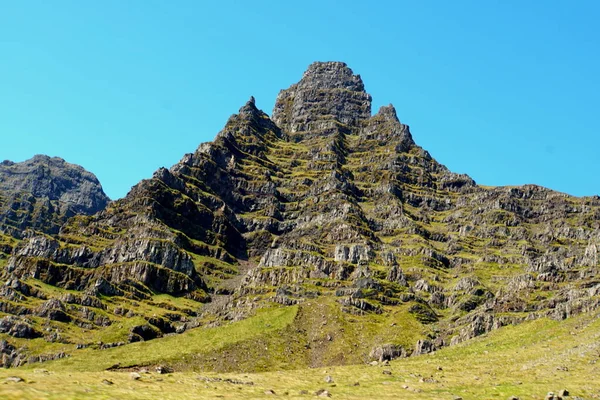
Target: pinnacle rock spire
(328,91)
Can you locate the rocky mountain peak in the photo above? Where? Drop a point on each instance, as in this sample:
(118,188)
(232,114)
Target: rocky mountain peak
(53,188)
(249,107)
(324,207)
(331,75)
(388,112)
(328,91)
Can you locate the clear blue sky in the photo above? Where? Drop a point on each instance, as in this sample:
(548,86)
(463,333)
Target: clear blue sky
(506,91)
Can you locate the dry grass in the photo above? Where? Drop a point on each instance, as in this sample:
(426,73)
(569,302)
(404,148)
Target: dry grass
(525,361)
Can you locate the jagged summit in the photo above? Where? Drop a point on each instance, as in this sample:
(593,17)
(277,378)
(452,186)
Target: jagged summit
(388,112)
(326,207)
(331,75)
(42,192)
(328,93)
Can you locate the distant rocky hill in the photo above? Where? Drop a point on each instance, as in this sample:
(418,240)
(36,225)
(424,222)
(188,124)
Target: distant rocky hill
(43,192)
(329,207)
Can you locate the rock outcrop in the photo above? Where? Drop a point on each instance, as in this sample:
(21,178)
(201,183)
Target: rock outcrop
(323,200)
(43,192)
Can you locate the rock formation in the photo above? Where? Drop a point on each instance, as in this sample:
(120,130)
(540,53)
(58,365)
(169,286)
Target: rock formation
(43,192)
(326,202)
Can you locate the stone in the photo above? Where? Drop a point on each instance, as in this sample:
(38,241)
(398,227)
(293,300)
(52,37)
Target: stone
(387,352)
(161,369)
(17,327)
(135,376)
(270,392)
(328,379)
(15,379)
(322,393)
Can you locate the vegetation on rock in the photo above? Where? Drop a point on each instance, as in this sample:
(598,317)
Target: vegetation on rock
(325,233)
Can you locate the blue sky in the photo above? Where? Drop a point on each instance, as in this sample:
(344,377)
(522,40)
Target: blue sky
(506,91)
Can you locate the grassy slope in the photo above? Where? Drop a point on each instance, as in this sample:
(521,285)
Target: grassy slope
(179,348)
(526,360)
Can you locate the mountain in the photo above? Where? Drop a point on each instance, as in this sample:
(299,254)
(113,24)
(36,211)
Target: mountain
(381,250)
(41,194)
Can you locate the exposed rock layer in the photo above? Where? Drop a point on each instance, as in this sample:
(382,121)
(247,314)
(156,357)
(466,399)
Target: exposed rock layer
(326,201)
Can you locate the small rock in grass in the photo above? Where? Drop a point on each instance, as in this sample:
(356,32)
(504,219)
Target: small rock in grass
(107,382)
(386,372)
(41,371)
(563,393)
(322,393)
(270,392)
(161,369)
(303,392)
(14,379)
(373,363)
(458,398)
(328,379)
(513,398)
(356,384)
(135,376)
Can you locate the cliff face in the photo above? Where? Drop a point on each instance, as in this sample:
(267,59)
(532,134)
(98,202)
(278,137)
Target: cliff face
(325,203)
(43,192)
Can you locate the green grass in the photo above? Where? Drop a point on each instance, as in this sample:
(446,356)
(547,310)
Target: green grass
(178,347)
(527,361)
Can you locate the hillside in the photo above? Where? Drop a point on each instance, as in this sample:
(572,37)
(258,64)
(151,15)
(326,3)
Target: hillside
(323,209)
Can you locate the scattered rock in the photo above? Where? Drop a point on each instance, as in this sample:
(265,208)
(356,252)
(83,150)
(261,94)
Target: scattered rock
(17,327)
(563,393)
(161,369)
(15,379)
(270,392)
(386,372)
(41,371)
(322,393)
(135,376)
(107,382)
(328,379)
